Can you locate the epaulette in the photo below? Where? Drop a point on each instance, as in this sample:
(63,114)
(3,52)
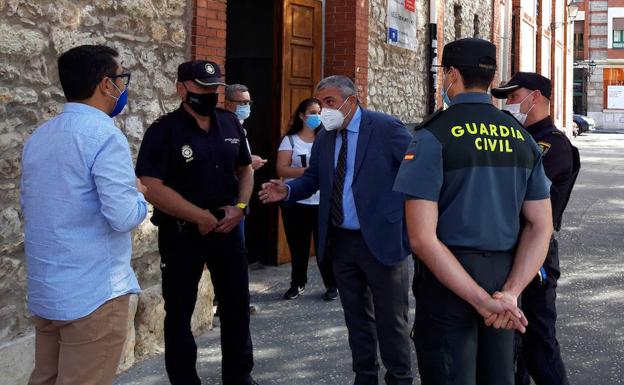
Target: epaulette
(161,117)
(427,121)
(219,109)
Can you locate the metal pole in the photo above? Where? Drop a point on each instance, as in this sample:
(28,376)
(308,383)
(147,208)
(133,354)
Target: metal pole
(432,57)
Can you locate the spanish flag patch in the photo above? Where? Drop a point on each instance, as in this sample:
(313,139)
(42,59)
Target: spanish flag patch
(409,157)
(544,147)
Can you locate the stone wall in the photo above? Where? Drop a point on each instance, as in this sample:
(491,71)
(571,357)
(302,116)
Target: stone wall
(462,13)
(153,38)
(397,77)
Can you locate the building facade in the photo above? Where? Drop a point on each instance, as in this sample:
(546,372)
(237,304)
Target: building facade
(599,62)
(280,49)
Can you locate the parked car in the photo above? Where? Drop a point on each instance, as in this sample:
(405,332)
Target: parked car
(582,124)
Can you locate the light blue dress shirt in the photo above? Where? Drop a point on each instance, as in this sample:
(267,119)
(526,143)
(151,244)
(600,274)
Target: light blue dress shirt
(351,221)
(80,202)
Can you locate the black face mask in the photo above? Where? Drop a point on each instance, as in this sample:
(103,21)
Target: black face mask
(203,104)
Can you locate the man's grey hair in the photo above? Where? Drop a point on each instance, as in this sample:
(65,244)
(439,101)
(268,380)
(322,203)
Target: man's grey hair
(340,82)
(231,89)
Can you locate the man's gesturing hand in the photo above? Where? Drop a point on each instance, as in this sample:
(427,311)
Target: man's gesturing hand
(273,191)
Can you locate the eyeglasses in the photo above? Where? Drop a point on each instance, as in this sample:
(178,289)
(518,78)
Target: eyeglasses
(241,102)
(125,77)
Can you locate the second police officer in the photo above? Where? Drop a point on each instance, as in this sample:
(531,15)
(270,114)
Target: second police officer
(527,97)
(198,169)
(468,175)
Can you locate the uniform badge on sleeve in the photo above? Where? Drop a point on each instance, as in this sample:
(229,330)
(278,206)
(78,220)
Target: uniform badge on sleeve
(187,153)
(408,156)
(544,146)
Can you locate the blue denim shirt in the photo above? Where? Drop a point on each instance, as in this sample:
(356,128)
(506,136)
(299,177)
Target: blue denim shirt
(351,220)
(80,203)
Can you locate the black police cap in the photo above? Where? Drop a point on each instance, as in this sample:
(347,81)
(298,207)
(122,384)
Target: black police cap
(529,80)
(203,72)
(470,52)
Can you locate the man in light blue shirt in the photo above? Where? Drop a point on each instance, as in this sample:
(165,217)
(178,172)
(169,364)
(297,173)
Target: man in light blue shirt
(80,201)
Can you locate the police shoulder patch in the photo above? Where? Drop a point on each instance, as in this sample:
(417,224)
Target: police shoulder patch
(429,119)
(544,146)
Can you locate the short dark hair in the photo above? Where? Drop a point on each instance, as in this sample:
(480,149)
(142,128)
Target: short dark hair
(231,89)
(296,124)
(83,67)
(476,77)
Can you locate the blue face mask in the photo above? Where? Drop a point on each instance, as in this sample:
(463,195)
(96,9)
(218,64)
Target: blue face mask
(121,101)
(243,111)
(313,121)
(445,96)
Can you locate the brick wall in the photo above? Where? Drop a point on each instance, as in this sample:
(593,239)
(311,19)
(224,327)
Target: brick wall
(346,41)
(208,31)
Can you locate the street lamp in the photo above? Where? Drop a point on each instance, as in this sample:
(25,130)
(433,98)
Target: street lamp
(573,10)
(588,65)
(592,67)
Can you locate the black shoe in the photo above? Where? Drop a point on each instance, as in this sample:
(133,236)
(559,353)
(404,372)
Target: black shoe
(256,265)
(331,294)
(294,292)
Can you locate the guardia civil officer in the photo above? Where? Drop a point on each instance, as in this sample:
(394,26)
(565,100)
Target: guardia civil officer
(198,167)
(468,174)
(528,99)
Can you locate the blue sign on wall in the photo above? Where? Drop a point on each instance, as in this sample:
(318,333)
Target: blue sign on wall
(393,35)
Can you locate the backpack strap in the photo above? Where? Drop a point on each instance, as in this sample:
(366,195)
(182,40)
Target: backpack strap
(292,142)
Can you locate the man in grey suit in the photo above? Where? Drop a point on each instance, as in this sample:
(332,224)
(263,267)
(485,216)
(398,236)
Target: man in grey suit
(361,225)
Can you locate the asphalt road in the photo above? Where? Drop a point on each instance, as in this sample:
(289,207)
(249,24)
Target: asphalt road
(591,289)
(304,342)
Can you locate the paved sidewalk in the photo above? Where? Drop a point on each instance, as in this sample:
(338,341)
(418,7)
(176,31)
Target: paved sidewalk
(304,342)
(299,342)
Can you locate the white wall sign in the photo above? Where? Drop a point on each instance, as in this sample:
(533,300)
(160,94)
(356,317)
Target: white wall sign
(615,97)
(401,23)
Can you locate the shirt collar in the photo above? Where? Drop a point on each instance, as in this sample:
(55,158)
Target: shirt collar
(543,124)
(354,124)
(83,108)
(472,97)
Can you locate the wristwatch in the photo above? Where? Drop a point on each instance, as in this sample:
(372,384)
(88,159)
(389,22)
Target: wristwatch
(244,207)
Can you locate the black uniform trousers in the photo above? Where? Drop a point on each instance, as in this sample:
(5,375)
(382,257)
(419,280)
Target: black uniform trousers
(184,253)
(453,345)
(300,226)
(539,354)
(375,302)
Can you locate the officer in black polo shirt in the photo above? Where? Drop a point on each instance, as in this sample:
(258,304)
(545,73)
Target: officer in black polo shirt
(468,174)
(528,99)
(198,169)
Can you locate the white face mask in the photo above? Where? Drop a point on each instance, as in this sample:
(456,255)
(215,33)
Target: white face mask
(333,119)
(514,109)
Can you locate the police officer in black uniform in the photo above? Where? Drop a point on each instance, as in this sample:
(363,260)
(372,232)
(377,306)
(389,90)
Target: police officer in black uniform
(468,174)
(198,169)
(528,99)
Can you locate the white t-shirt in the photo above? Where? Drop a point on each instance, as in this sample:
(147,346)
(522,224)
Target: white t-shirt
(301,152)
